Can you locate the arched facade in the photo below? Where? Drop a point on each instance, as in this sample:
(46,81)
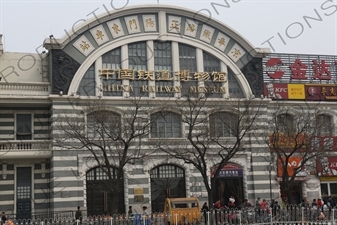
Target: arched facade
(154,57)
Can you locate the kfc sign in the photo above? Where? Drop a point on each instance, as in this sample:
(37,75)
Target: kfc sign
(327,166)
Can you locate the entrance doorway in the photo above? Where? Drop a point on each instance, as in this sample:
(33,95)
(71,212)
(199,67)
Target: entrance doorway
(99,199)
(229,183)
(167,181)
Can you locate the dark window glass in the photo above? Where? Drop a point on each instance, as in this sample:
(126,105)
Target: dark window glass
(23,126)
(166,125)
(167,171)
(138,61)
(285,123)
(223,124)
(88,83)
(103,124)
(162,56)
(324,124)
(111,84)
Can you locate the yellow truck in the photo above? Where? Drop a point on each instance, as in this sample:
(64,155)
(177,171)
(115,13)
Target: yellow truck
(182,211)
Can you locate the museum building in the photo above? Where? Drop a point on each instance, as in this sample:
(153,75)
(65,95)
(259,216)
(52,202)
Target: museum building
(161,53)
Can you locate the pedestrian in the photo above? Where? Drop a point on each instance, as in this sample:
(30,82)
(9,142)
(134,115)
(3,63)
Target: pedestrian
(130,212)
(231,202)
(145,213)
(263,205)
(257,203)
(205,209)
(330,202)
(3,218)
(320,203)
(246,204)
(78,215)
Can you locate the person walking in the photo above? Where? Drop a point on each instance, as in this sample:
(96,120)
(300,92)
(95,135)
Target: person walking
(3,218)
(204,210)
(78,215)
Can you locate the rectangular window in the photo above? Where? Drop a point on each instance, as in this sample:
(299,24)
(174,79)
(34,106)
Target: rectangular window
(138,61)
(23,127)
(112,60)
(162,56)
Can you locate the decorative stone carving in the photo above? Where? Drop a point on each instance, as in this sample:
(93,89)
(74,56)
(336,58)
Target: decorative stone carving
(64,68)
(254,75)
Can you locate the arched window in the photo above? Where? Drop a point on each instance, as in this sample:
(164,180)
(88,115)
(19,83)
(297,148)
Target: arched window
(324,124)
(103,124)
(167,171)
(285,123)
(166,125)
(223,124)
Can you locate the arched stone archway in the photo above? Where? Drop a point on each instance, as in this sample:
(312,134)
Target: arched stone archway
(228,183)
(167,181)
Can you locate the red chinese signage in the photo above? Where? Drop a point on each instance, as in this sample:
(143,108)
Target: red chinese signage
(317,92)
(327,166)
(284,141)
(300,67)
(323,143)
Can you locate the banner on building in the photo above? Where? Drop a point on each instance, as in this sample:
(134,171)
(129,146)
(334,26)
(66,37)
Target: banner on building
(293,163)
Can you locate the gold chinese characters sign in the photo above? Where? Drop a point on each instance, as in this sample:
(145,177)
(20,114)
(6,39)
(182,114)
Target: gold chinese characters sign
(216,79)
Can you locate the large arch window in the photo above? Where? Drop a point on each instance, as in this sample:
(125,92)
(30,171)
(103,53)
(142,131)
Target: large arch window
(103,124)
(324,124)
(167,171)
(111,60)
(166,125)
(223,124)
(285,123)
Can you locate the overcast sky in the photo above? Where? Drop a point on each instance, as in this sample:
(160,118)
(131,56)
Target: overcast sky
(291,26)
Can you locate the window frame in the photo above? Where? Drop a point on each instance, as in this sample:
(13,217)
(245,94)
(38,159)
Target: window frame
(94,136)
(159,115)
(16,124)
(215,119)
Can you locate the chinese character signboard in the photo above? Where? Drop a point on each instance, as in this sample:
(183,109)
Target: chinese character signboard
(327,166)
(288,68)
(317,92)
(229,170)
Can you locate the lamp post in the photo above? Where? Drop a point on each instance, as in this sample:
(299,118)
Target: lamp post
(270,167)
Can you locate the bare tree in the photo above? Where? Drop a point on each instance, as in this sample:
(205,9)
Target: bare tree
(215,131)
(111,135)
(294,141)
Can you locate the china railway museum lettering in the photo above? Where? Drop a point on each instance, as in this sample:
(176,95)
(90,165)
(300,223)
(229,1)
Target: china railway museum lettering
(164,88)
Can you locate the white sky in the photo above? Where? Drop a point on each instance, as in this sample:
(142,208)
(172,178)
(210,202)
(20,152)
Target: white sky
(26,23)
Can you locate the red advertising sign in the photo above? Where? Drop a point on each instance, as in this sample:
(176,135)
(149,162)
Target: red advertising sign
(293,163)
(316,92)
(287,68)
(327,166)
